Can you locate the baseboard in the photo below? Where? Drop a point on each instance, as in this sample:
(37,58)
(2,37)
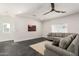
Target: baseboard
(29,39)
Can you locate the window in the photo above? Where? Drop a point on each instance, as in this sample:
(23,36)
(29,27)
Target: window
(6,27)
(59,28)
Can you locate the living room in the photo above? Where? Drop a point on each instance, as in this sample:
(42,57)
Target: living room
(27,29)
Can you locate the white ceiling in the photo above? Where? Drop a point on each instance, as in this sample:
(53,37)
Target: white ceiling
(36,10)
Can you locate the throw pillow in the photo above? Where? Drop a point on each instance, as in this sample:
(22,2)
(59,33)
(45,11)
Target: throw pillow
(65,42)
(56,41)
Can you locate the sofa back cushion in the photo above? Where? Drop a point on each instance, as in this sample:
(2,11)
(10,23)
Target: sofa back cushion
(58,34)
(73,47)
(65,42)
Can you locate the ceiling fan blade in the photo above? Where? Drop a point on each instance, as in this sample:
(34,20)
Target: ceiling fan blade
(63,11)
(47,12)
(52,8)
(60,11)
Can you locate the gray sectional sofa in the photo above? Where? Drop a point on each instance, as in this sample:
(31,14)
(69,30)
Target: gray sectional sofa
(67,46)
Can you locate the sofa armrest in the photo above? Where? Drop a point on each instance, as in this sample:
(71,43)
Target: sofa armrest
(58,50)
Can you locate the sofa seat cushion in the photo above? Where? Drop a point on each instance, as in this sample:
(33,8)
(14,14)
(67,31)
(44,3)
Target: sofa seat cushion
(56,38)
(65,42)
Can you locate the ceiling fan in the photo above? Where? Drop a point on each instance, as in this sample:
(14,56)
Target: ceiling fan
(53,9)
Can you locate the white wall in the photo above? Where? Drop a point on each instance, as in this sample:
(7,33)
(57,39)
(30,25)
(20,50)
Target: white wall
(6,36)
(71,20)
(21,29)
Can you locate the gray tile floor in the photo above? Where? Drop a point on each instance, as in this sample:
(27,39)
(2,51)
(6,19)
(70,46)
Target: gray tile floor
(10,48)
